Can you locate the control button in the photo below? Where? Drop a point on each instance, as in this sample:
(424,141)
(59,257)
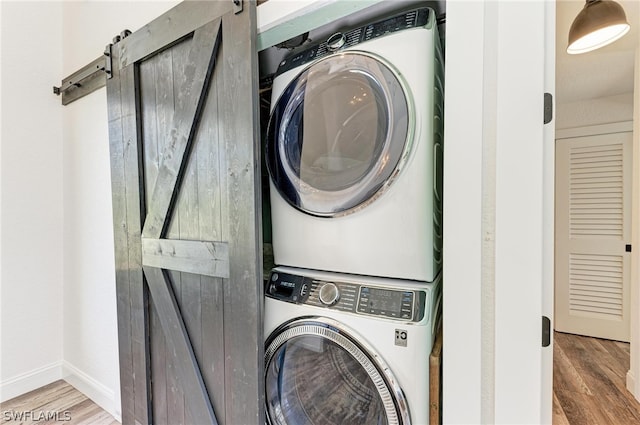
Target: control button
(336,41)
(329,294)
(274,277)
(303,290)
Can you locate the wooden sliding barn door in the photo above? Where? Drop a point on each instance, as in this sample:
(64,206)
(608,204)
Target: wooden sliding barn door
(184,153)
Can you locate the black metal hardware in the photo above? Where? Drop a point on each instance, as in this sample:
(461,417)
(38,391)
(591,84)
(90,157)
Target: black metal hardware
(548,108)
(237,6)
(627,248)
(108,61)
(89,78)
(76,79)
(546,331)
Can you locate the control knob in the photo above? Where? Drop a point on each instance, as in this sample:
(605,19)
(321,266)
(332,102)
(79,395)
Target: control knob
(336,41)
(329,294)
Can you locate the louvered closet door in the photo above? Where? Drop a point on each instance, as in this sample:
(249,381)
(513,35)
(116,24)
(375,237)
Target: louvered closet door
(593,227)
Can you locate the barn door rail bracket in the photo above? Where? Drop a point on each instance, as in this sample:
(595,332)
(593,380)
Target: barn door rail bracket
(90,77)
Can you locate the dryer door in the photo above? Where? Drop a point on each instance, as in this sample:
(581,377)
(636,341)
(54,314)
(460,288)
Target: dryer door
(317,373)
(338,134)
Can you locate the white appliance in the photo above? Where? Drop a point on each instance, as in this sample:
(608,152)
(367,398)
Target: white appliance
(354,152)
(346,349)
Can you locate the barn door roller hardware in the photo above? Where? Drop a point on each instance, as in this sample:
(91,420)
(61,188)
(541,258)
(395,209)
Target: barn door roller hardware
(237,6)
(89,78)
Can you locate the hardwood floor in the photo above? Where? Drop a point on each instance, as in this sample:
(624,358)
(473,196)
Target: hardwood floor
(57,403)
(589,382)
(589,376)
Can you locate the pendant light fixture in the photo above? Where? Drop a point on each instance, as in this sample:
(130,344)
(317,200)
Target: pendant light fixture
(600,22)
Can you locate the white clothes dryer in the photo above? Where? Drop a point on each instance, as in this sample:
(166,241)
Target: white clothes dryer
(347,349)
(354,152)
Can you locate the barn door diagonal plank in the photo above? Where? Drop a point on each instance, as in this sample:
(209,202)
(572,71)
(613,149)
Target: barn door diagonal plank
(197,76)
(198,403)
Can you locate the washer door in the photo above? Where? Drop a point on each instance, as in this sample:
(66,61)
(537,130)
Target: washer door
(338,133)
(316,373)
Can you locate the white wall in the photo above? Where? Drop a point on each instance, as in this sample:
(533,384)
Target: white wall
(90,317)
(31,197)
(602,110)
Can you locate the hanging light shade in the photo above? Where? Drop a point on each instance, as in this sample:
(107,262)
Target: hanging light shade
(600,22)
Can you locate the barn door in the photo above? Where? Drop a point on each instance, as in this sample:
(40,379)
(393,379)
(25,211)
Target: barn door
(184,153)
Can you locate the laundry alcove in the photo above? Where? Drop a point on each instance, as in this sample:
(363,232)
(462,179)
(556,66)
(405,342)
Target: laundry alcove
(468,332)
(185,169)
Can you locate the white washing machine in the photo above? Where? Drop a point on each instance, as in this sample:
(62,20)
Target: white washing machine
(345,349)
(354,152)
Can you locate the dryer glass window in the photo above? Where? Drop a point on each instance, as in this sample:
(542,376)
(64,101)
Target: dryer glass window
(315,381)
(319,375)
(338,133)
(344,135)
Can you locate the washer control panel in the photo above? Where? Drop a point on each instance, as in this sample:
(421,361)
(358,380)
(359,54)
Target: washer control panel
(386,302)
(364,299)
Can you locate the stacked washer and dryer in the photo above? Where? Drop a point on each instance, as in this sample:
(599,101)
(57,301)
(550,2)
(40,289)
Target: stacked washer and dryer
(354,154)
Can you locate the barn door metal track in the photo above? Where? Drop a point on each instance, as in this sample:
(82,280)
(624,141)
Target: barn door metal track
(94,75)
(89,78)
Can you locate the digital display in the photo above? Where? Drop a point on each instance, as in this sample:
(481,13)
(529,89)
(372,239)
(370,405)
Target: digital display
(384,300)
(389,303)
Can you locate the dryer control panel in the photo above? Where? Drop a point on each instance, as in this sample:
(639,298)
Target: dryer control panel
(407,305)
(348,38)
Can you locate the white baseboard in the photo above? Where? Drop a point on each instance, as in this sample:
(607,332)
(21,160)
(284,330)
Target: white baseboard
(30,381)
(96,391)
(631,385)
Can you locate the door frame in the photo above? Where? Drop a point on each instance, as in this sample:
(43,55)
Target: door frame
(633,376)
(496,269)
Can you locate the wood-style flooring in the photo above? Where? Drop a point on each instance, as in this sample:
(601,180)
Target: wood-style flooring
(57,403)
(589,376)
(589,382)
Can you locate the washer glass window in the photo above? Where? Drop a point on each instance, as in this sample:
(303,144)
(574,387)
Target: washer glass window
(338,133)
(317,375)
